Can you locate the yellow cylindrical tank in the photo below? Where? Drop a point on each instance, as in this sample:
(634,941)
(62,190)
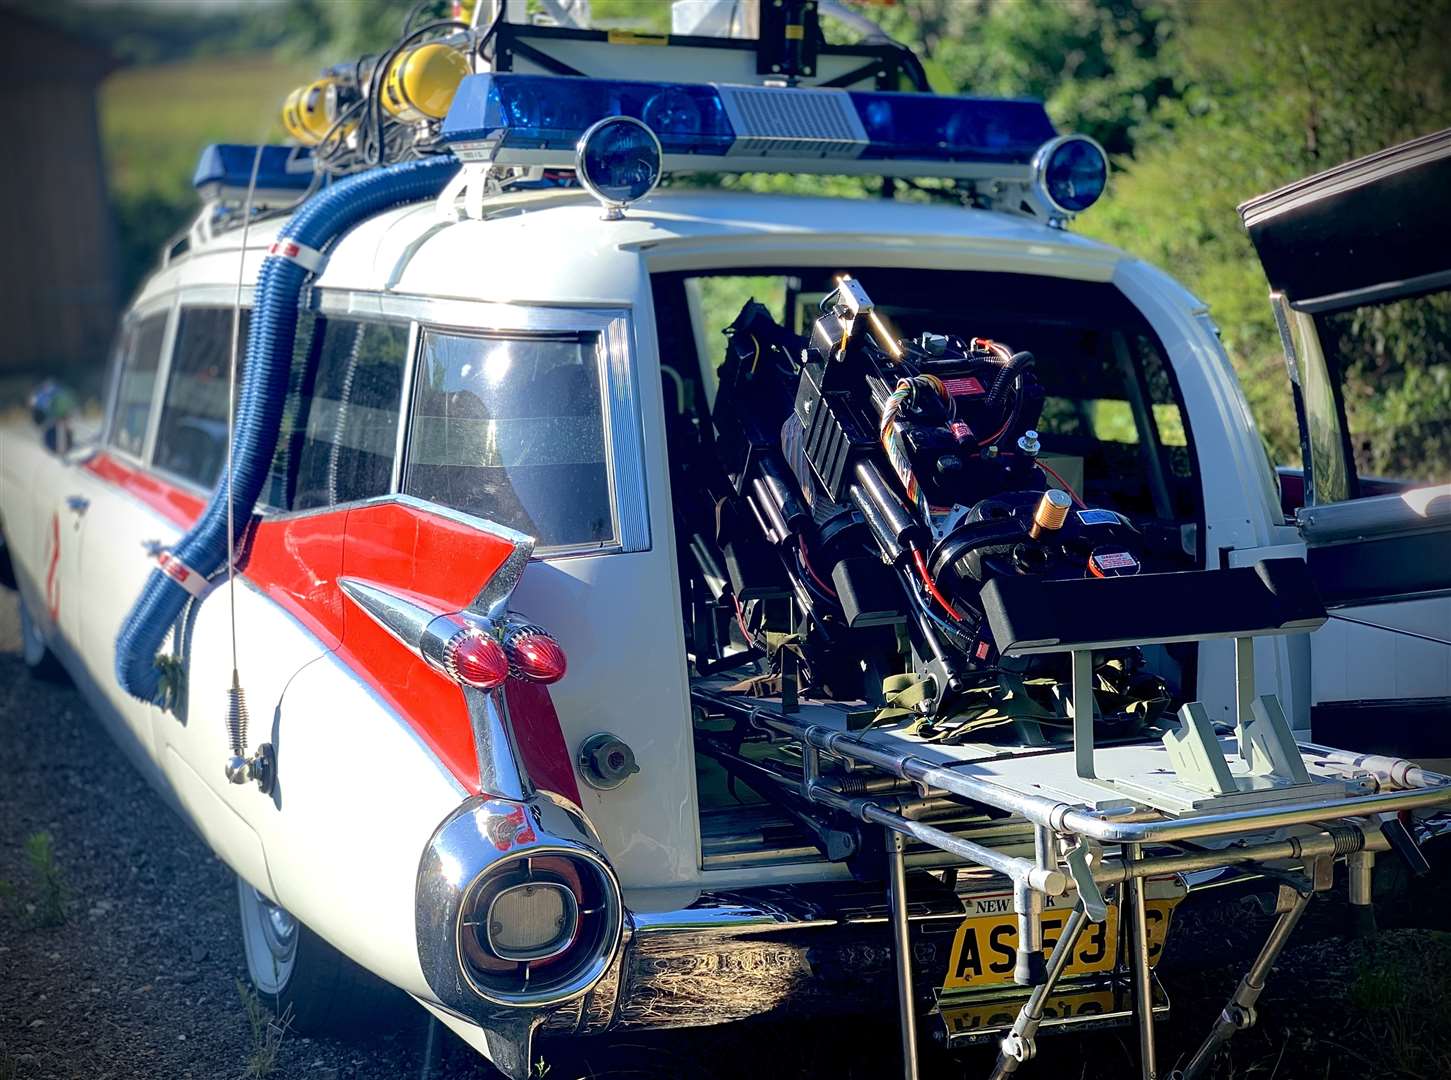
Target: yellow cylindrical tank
(305,112)
(420,83)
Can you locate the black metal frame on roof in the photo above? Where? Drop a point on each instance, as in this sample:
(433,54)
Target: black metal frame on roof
(881,62)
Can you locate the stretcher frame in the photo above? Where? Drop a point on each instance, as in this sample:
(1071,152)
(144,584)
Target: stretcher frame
(1336,804)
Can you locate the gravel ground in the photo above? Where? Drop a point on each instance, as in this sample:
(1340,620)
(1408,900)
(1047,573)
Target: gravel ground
(141,979)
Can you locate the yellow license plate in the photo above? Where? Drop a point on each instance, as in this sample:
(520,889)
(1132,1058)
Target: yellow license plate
(985,949)
(969,1017)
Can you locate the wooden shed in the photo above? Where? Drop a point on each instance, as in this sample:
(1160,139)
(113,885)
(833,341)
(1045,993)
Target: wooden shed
(58,282)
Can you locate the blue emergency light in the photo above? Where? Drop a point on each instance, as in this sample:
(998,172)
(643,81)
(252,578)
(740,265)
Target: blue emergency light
(510,118)
(224,173)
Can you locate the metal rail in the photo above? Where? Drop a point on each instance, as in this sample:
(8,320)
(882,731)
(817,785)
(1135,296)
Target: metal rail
(1068,857)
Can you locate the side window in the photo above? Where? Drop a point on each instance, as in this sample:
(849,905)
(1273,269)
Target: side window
(136,384)
(340,423)
(511,429)
(191,441)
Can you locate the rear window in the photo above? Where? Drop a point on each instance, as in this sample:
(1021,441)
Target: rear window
(191,441)
(137,383)
(1113,423)
(511,429)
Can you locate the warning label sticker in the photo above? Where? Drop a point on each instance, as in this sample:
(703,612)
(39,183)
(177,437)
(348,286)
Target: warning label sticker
(966,386)
(1098,517)
(1115,560)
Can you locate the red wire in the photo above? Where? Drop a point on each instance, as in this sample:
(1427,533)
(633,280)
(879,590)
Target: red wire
(741,622)
(1062,482)
(806,562)
(996,435)
(932,585)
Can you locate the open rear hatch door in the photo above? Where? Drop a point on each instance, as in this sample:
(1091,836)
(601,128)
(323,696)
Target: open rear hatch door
(1374,233)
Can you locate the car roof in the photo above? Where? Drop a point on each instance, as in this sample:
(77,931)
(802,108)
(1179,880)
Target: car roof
(516,250)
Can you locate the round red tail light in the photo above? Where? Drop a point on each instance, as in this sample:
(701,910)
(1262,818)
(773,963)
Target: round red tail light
(534,655)
(476,659)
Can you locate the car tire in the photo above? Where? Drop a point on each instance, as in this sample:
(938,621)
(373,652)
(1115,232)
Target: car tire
(317,989)
(40,662)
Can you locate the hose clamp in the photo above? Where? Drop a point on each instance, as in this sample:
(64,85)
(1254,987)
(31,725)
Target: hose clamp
(180,573)
(310,259)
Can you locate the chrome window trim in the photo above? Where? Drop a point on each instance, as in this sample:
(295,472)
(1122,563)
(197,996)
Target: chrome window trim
(164,307)
(620,394)
(163,376)
(405,404)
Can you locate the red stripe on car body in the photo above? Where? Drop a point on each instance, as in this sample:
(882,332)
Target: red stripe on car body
(439,562)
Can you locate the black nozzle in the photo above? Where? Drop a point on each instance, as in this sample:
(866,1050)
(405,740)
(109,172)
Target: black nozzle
(1031,968)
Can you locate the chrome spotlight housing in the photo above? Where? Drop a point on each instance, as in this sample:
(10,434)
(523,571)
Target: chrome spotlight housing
(516,908)
(1070,174)
(618,160)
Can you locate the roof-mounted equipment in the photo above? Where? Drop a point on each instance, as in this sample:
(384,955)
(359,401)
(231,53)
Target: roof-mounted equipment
(507,119)
(618,162)
(224,173)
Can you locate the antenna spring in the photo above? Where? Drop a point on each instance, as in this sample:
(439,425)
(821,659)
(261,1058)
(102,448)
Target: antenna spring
(238,767)
(237,719)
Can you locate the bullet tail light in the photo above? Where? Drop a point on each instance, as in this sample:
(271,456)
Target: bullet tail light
(475,659)
(533,654)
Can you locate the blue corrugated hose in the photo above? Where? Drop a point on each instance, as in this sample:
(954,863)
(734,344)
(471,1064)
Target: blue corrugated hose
(260,398)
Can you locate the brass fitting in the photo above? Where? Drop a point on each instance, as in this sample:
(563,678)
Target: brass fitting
(1051,512)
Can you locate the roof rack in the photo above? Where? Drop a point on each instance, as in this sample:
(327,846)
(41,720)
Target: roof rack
(789,50)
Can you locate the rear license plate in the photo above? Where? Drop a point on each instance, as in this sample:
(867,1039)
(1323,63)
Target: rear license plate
(965,1018)
(985,948)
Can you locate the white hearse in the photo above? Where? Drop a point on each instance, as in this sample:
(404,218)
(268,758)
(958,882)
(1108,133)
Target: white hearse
(692,610)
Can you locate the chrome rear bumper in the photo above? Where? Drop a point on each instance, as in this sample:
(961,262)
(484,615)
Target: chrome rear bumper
(809,950)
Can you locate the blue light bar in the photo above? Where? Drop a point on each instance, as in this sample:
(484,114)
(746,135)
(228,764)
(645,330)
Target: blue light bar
(225,170)
(926,127)
(540,112)
(496,113)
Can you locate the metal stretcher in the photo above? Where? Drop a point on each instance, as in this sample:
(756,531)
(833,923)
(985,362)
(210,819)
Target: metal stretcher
(1112,816)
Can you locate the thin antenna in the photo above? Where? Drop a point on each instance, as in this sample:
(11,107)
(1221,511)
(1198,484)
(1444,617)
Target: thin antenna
(232,404)
(240,767)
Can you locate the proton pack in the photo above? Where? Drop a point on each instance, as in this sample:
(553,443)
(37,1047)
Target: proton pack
(870,487)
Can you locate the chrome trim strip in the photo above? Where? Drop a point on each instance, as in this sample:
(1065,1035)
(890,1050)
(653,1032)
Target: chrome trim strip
(405,405)
(624,432)
(163,377)
(406,621)
(501,770)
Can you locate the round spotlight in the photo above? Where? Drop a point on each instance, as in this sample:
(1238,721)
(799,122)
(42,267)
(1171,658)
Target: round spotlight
(1070,173)
(618,161)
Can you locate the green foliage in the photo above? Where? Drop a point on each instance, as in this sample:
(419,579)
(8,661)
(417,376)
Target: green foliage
(1269,93)
(51,891)
(154,123)
(1101,68)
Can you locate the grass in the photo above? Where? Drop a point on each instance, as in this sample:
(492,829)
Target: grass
(266,1032)
(155,120)
(1402,1006)
(50,903)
